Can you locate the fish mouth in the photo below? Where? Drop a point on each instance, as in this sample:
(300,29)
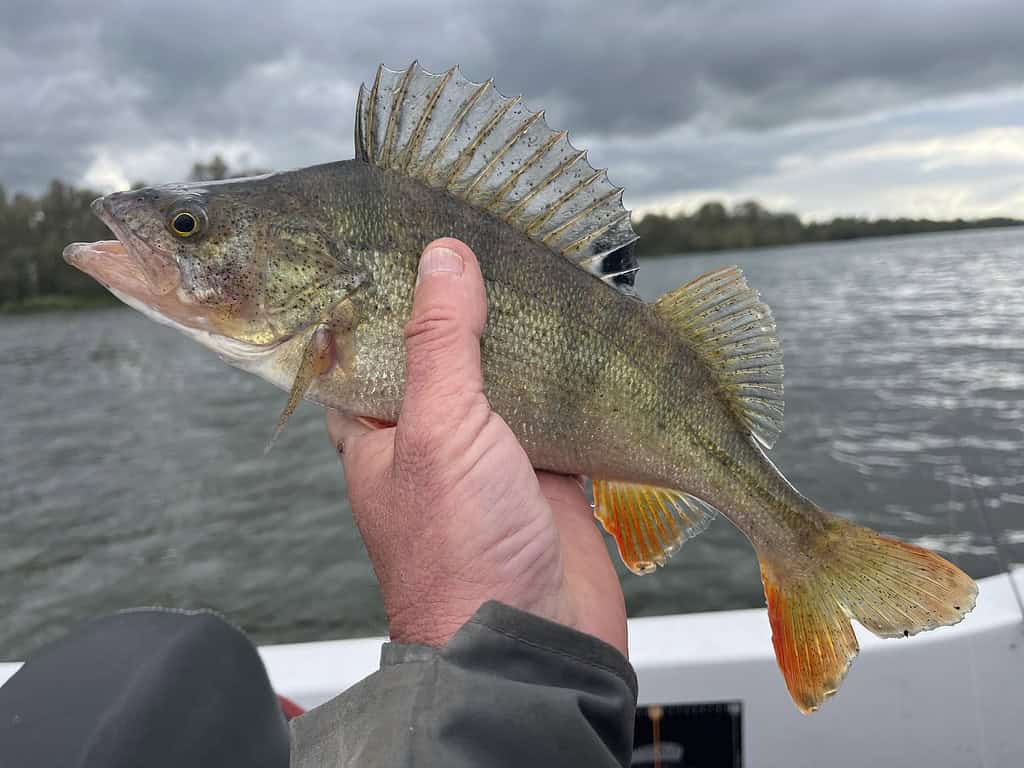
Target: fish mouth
(111,261)
(148,280)
(122,272)
(111,264)
(136,272)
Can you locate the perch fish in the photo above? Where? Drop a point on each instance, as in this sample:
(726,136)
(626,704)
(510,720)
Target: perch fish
(306,278)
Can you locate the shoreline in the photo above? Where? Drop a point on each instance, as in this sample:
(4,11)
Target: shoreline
(641,254)
(71,303)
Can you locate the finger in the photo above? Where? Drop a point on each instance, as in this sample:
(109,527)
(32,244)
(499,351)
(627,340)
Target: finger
(566,492)
(586,562)
(342,428)
(442,338)
(367,455)
(366,452)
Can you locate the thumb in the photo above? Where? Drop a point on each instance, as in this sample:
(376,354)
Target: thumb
(442,337)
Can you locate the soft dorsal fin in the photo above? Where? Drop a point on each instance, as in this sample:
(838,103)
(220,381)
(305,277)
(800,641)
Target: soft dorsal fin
(729,326)
(495,154)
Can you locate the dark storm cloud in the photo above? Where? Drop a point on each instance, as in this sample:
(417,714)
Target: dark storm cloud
(741,65)
(279,78)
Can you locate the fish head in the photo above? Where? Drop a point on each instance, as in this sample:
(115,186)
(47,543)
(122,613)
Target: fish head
(239,260)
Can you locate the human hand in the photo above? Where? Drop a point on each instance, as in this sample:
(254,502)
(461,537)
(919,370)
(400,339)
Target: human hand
(448,505)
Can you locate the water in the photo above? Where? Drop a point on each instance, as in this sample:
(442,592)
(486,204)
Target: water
(132,468)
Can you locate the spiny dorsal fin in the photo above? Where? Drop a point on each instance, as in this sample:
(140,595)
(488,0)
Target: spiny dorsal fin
(729,326)
(649,524)
(495,154)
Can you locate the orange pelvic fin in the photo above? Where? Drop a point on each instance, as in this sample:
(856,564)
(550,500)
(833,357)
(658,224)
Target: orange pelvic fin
(649,524)
(893,589)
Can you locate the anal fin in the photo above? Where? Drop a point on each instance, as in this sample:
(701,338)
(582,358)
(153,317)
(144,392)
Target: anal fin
(648,523)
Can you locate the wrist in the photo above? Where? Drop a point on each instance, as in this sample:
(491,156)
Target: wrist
(428,623)
(434,621)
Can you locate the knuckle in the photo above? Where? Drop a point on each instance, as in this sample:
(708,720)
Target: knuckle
(435,327)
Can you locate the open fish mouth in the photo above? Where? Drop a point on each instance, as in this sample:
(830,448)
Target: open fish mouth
(122,263)
(158,295)
(139,274)
(144,281)
(110,263)
(150,287)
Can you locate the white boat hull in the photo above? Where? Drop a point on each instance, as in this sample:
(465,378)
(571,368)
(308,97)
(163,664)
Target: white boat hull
(951,697)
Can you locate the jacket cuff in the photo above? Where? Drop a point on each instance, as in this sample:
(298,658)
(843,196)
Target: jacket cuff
(501,620)
(508,689)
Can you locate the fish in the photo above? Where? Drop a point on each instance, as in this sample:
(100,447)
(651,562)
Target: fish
(306,277)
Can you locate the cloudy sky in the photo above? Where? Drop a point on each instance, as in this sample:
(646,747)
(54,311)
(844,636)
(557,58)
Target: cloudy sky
(824,107)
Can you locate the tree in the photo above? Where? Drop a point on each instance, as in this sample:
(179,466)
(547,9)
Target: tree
(214,170)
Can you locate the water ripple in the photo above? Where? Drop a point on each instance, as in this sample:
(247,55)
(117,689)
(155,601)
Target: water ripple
(133,469)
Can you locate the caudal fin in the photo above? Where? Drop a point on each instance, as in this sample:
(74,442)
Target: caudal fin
(893,589)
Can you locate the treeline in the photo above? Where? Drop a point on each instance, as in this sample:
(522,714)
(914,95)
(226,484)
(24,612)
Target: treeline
(33,233)
(35,229)
(713,227)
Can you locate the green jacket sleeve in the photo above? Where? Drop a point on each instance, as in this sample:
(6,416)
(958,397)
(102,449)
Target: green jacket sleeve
(509,689)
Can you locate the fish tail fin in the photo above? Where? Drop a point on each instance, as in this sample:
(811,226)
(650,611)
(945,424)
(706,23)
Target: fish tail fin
(893,589)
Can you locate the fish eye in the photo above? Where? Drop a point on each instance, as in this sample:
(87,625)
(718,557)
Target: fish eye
(184,223)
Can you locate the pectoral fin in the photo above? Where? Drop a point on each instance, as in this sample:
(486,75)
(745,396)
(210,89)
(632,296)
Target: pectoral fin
(318,358)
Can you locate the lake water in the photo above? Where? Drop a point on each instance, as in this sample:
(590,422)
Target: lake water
(132,468)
